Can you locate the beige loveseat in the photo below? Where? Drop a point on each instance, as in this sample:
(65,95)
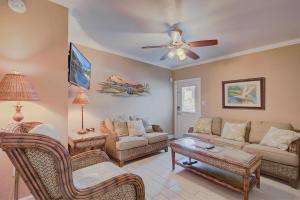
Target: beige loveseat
(127,148)
(277,163)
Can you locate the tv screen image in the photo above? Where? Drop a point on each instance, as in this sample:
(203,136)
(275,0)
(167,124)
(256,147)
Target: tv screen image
(79,68)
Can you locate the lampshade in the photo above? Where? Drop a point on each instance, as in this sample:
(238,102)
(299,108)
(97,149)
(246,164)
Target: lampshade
(81,98)
(16,87)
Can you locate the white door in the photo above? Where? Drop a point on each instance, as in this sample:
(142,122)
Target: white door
(187,104)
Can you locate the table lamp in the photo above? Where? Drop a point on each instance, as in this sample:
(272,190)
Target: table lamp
(81,99)
(16,87)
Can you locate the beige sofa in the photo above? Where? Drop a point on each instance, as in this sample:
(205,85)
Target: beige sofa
(277,163)
(127,148)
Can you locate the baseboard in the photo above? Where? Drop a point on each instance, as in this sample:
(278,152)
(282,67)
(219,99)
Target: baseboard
(30,197)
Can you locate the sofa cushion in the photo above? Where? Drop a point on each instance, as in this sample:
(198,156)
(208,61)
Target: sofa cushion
(130,142)
(226,142)
(279,138)
(273,154)
(156,137)
(234,131)
(202,136)
(203,125)
(260,128)
(95,174)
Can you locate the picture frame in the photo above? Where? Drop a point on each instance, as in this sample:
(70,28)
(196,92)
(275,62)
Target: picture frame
(244,93)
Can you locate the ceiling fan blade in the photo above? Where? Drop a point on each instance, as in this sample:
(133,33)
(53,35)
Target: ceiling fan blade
(164,57)
(203,43)
(158,46)
(191,54)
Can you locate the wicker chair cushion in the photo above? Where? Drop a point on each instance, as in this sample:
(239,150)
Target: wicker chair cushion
(46,129)
(274,154)
(227,142)
(129,142)
(260,128)
(156,137)
(94,174)
(201,136)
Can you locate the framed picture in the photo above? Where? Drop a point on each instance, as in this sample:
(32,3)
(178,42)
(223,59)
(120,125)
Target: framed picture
(244,93)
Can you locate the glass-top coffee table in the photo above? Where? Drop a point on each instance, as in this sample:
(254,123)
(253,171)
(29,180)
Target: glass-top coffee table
(233,168)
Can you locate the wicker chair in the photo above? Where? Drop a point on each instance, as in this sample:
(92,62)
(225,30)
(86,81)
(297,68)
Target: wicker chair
(47,169)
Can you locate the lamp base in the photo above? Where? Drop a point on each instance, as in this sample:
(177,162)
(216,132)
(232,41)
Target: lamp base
(82,131)
(18,117)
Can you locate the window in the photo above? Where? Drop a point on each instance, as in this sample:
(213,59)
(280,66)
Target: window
(188,99)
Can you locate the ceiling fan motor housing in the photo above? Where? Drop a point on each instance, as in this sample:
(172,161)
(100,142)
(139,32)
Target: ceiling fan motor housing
(176,36)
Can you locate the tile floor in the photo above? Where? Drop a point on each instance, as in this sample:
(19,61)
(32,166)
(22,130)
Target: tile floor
(163,184)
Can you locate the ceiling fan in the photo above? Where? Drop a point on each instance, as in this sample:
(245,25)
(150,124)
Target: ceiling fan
(179,48)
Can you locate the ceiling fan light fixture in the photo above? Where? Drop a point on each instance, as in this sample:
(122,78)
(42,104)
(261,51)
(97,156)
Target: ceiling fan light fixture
(179,52)
(171,54)
(182,57)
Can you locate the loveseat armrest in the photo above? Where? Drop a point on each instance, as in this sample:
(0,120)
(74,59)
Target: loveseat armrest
(295,147)
(116,187)
(191,130)
(88,158)
(157,128)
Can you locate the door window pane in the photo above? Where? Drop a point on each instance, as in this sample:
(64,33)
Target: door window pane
(188,99)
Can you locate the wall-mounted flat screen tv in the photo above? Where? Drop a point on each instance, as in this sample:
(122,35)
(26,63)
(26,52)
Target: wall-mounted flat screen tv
(79,68)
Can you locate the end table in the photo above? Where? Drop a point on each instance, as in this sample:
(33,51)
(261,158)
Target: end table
(78,143)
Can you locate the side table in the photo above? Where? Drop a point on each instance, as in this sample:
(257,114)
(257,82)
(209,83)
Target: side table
(78,143)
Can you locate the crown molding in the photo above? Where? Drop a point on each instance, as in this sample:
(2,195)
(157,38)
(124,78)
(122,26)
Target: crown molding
(241,53)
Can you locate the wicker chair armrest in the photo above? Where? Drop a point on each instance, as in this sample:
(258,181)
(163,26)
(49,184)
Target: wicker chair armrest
(157,128)
(88,158)
(102,188)
(191,130)
(295,147)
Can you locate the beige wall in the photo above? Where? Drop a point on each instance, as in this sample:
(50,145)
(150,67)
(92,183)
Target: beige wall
(157,106)
(281,67)
(35,44)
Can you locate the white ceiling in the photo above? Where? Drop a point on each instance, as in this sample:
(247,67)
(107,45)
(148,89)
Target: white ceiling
(123,27)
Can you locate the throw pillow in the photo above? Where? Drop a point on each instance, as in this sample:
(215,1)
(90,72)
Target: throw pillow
(136,128)
(146,123)
(234,131)
(121,128)
(279,138)
(46,129)
(149,129)
(109,124)
(203,125)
